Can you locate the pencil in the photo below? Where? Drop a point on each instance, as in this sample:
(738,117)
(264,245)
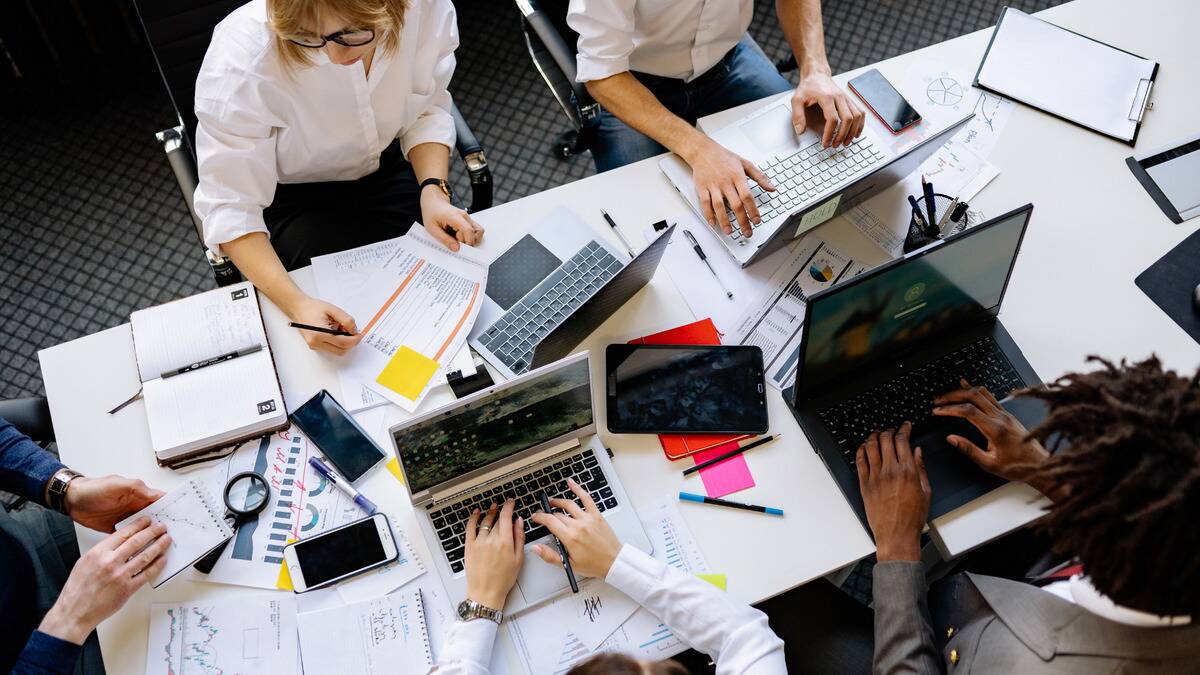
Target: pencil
(320,329)
(726,455)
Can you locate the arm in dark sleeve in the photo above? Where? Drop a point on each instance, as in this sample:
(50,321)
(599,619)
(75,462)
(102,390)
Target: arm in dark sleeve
(904,640)
(24,467)
(45,655)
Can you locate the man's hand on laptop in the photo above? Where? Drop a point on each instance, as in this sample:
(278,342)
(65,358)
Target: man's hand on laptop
(720,177)
(495,549)
(1011,453)
(895,492)
(821,105)
(587,536)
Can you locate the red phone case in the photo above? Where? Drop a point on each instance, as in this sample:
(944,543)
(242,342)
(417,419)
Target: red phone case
(880,117)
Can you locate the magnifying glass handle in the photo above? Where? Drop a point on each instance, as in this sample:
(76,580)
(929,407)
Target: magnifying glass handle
(205,564)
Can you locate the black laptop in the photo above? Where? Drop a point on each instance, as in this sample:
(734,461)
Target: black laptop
(877,349)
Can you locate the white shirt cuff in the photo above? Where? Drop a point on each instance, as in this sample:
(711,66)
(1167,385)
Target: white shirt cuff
(435,126)
(634,573)
(468,647)
(229,222)
(590,68)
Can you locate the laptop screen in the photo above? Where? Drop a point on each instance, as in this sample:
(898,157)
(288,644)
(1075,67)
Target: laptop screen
(539,409)
(899,306)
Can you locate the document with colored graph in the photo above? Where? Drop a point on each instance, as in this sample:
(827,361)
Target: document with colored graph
(430,298)
(241,635)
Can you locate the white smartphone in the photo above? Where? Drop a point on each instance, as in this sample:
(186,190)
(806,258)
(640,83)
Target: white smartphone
(340,553)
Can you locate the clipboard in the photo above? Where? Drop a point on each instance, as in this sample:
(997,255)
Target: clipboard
(1134,111)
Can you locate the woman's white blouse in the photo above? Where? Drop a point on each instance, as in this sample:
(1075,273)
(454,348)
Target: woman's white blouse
(262,122)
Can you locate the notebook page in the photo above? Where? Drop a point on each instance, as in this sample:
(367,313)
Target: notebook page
(384,635)
(223,401)
(1069,75)
(196,328)
(195,520)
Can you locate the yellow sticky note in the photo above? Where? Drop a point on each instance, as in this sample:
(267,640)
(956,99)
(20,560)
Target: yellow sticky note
(393,465)
(717,580)
(284,582)
(407,373)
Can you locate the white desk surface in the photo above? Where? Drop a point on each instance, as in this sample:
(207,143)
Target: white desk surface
(1093,230)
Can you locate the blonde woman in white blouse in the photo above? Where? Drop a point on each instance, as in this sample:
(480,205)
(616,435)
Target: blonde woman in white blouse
(325,125)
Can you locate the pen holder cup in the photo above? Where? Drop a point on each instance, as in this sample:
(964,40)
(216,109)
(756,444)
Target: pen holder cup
(916,236)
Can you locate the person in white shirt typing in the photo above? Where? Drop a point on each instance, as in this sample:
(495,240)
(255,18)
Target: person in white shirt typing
(736,636)
(325,125)
(656,66)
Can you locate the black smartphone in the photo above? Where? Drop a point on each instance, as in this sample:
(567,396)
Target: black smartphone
(340,553)
(337,436)
(689,389)
(884,101)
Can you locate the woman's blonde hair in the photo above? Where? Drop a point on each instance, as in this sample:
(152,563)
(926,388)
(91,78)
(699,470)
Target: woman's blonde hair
(290,17)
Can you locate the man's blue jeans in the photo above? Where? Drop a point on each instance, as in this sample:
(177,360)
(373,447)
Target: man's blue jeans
(743,75)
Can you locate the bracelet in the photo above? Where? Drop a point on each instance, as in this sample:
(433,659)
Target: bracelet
(56,489)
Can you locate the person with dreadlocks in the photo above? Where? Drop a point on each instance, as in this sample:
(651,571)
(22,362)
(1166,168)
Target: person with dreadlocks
(1123,474)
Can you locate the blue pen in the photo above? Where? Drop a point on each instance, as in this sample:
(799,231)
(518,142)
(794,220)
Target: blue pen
(689,497)
(323,469)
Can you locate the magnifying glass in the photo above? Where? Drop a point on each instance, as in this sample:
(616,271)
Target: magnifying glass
(246,495)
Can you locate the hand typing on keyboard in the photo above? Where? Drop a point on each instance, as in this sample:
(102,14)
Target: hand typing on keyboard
(590,541)
(720,177)
(495,549)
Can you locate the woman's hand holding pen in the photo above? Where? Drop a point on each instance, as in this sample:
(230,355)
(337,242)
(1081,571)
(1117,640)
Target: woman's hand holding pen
(587,536)
(495,548)
(310,310)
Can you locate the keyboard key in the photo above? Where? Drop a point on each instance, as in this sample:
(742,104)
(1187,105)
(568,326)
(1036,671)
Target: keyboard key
(456,566)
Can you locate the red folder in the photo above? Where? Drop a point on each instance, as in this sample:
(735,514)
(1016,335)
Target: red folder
(702,332)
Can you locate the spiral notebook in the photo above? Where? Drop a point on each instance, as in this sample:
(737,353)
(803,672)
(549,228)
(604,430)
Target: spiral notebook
(195,519)
(384,635)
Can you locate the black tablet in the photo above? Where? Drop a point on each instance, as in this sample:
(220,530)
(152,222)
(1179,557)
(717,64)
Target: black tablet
(685,389)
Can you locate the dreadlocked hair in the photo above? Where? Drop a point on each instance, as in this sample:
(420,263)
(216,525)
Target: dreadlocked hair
(1128,467)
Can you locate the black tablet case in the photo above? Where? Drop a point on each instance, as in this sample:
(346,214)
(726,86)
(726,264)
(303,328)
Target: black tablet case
(1171,281)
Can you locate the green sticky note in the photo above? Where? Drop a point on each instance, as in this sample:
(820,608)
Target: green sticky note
(817,216)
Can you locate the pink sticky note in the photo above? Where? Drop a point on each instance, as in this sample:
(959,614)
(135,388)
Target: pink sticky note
(724,477)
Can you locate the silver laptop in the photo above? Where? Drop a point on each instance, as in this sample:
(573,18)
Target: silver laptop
(552,289)
(515,439)
(812,184)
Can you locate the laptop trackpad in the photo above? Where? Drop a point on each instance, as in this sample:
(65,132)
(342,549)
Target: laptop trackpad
(954,478)
(539,580)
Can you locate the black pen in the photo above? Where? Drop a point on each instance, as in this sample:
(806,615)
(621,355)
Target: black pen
(320,329)
(701,499)
(930,204)
(704,259)
(613,225)
(562,551)
(726,455)
(213,361)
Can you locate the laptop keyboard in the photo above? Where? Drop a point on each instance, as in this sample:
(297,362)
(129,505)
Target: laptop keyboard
(515,334)
(450,521)
(909,396)
(807,173)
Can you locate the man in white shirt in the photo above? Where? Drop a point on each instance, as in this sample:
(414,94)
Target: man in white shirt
(656,66)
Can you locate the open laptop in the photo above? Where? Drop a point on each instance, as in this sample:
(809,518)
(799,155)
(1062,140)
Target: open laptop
(516,440)
(878,348)
(812,184)
(552,288)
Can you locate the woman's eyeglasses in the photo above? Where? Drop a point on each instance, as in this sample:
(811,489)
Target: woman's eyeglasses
(347,38)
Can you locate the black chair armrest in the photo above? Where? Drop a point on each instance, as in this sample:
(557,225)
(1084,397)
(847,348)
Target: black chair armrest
(183,166)
(31,416)
(477,167)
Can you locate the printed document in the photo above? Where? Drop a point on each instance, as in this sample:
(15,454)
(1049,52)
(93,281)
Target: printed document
(383,635)
(244,635)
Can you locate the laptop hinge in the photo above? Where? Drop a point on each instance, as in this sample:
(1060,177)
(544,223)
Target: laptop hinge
(524,468)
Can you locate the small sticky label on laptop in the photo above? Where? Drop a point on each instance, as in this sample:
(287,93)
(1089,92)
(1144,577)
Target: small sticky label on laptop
(817,216)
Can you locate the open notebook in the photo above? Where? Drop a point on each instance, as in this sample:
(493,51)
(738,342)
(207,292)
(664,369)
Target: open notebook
(195,519)
(215,405)
(384,635)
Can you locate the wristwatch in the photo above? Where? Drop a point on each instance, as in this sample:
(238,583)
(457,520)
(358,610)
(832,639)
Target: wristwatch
(469,610)
(442,185)
(56,489)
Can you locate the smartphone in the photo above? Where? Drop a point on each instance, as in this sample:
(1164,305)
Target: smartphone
(884,101)
(340,553)
(338,436)
(690,389)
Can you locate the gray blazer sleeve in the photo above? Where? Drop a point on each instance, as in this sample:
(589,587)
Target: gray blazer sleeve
(904,641)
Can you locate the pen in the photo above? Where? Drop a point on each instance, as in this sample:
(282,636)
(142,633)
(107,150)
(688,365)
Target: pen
(726,455)
(946,216)
(704,259)
(320,329)
(613,225)
(339,483)
(930,201)
(689,497)
(213,361)
(562,552)
(920,219)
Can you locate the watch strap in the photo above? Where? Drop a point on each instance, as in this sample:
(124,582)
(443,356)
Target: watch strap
(56,489)
(469,610)
(442,185)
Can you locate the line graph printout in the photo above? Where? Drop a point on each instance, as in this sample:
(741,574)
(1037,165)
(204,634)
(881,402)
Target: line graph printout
(246,635)
(195,520)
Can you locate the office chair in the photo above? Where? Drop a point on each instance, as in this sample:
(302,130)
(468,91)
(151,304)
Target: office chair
(178,32)
(31,416)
